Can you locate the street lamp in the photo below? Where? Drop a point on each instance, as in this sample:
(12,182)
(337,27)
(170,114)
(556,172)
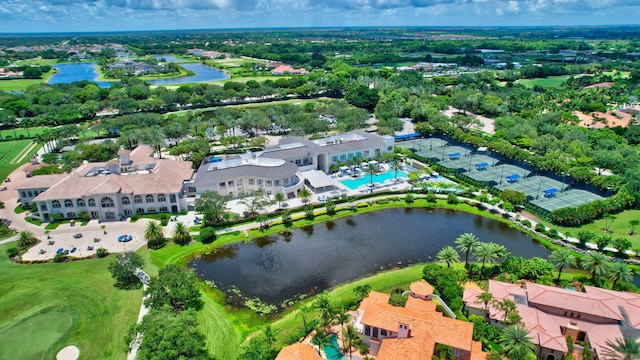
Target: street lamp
(585,198)
(443,147)
(430,142)
(469,163)
(501,175)
(564,179)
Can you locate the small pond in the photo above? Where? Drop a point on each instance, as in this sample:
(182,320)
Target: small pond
(202,74)
(312,259)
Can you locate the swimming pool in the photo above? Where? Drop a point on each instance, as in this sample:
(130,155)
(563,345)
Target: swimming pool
(366,179)
(333,351)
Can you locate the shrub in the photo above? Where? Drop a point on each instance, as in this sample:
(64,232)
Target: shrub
(526,223)
(60,257)
(12,252)
(207,235)
(452,199)
(135,217)
(431,197)
(101,252)
(408,199)
(540,228)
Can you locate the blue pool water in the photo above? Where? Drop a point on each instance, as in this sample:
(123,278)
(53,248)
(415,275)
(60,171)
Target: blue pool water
(366,179)
(333,351)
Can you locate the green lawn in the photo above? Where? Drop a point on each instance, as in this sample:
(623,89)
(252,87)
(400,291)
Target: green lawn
(620,227)
(46,307)
(18,84)
(551,81)
(11,155)
(25,133)
(37,61)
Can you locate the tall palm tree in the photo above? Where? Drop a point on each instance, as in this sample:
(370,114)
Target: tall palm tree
(181,234)
(623,349)
(341,317)
(153,235)
(350,338)
(595,263)
(485,252)
(561,258)
(305,195)
(279,198)
(619,271)
(325,308)
(516,342)
(467,242)
(372,170)
(396,165)
(448,255)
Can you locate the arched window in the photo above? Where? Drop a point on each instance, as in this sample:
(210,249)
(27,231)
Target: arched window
(148,198)
(91,202)
(161,197)
(30,193)
(140,211)
(68,203)
(137,199)
(106,202)
(55,204)
(126,201)
(80,202)
(24,194)
(151,210)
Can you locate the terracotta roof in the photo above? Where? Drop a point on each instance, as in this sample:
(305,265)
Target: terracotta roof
(427,327)
(570,299)
(421,288)
(298,351)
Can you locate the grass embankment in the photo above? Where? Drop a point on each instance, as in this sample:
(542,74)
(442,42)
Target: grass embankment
(620,227)
(49,306)
(267,103)
(15,153)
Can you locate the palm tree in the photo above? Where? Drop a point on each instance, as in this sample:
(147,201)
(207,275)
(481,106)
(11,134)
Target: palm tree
(623,349)
(270,335)
(633,224)
(619,271)
(321,339)
(467,242)
(26,239)
(153,235)
(448,255)
(561,258)
(181,234)
(485,298)
(341,317)
(486,252)
(516,342)
(325,308)
(372,170)
(279,197)
(305,195)
(396,165)
(350,338)
(508,307)
(595,263)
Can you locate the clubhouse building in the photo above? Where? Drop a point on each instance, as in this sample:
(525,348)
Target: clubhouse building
(285,167)
(135,183)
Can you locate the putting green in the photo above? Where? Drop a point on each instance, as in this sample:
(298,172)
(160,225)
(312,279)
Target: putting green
(32,337)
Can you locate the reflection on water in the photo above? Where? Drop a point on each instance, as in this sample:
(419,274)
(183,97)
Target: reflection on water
(314,258)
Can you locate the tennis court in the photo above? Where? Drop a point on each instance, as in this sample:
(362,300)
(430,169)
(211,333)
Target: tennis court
(571,197)
(497,175)
(432,148)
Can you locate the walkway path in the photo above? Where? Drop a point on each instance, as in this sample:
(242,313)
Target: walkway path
(135,343)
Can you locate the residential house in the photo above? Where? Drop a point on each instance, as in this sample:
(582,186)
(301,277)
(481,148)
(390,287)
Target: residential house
(551,315)
(288,70)
(415,331)
(298,351)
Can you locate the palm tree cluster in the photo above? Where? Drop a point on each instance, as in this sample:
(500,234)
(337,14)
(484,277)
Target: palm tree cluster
(596,263)
(331,314)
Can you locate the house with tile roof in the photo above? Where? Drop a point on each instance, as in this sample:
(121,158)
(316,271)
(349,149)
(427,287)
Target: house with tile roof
(298,351)
(288,70)
(281,168)
(416,331)
(135,183)
(552,314)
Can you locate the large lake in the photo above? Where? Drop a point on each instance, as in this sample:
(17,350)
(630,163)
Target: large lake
(276,267)
(68,73)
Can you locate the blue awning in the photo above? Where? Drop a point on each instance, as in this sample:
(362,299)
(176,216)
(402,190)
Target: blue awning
(482,165)
(513,177)
(550,192)
(407,136)
(455,155)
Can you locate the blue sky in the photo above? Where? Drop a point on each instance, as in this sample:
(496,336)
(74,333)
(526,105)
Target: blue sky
(120,15)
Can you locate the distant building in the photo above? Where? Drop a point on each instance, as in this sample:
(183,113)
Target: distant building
(288,70)
(135,183)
